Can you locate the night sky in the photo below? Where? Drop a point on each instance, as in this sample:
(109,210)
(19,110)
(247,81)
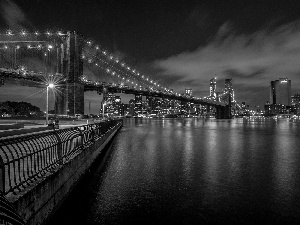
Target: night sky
(182,44)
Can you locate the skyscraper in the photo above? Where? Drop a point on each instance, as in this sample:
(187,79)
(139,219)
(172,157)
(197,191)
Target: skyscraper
(229,90)
(188,92)
(212,88)
(280,92)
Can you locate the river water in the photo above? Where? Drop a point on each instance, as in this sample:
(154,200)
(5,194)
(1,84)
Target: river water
(194,171)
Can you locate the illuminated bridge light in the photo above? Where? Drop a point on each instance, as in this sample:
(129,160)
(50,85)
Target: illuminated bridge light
(48,33)
(60,33)
(37,33)
(9,33)
(23,33)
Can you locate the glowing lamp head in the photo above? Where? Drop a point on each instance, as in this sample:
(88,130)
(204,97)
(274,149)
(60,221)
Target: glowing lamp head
(9,33)
(51,85)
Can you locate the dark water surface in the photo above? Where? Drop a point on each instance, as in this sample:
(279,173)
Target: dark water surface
(194,171)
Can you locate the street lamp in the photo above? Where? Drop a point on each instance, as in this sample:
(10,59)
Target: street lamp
(103,108)
(50,85)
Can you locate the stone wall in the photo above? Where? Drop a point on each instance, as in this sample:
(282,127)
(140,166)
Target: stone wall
(36,205)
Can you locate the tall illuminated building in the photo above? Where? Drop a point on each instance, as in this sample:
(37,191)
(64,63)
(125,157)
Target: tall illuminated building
(212,88)
(188,92)
(280,92)
(296,104)
(229,90)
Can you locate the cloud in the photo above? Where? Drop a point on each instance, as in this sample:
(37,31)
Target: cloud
(13,15)
(252,60)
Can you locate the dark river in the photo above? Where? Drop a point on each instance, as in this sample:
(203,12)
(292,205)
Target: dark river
(194,171)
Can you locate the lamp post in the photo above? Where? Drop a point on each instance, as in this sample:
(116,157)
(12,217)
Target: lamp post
(50,85)
(103,108)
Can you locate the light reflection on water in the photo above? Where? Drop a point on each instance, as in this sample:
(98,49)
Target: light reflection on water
(189,171)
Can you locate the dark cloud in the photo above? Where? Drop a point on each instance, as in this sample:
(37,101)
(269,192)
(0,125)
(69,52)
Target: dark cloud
(13,15)
(250,59)
(236,74)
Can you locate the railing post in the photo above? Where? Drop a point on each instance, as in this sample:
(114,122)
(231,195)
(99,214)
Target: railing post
(2,176)
(59,148)
(92,134)
(81,137)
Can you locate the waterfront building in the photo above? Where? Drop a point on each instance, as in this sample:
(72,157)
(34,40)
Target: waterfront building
(188,92)
(212,88)
(228,94)
(150,103)
(108,103)
(274,109)
(118,107)
(229,90)
(295,104)
(280,92)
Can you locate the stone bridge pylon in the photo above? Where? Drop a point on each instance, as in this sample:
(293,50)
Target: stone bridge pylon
(69,99)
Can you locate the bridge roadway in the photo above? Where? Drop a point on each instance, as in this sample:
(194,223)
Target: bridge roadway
(31,78)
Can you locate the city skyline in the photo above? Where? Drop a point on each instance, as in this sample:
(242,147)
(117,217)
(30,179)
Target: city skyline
(181,45)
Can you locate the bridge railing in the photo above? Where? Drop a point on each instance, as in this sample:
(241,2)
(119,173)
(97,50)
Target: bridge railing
(27,158)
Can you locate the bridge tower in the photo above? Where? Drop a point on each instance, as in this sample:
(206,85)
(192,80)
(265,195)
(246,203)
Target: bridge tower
(70,99)
(223,112)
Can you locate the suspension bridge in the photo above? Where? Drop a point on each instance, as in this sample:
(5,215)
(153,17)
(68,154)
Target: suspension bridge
(75,65)
(37,171)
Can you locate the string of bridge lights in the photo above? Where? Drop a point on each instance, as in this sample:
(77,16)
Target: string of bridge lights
(112,70)
(30,44)
(134,72)
(114,73)
(39,45)
(25,33)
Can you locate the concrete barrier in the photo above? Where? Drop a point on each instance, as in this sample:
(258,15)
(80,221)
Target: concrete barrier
(36,204)
(11,126)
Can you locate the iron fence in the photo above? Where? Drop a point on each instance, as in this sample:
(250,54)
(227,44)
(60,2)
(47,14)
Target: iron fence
(27,158)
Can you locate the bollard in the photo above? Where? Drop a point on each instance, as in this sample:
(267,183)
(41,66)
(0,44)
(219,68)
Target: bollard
(2,176)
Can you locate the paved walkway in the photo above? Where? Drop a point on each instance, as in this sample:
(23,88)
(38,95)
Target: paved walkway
(32,129)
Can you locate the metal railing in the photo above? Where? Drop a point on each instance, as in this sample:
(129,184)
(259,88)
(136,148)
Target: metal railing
(27,158)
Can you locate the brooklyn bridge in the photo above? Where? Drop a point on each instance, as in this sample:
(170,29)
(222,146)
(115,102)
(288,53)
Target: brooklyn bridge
(73,65)
(39,169)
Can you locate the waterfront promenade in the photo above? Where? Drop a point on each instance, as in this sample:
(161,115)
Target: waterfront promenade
(39,169)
